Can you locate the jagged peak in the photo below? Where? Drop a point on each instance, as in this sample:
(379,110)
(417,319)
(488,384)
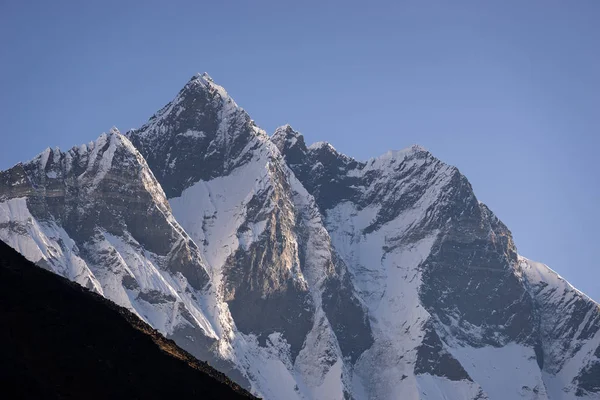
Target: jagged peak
(92,149)
(321,148)
(398,155)
(205,76)
(321,145)
(287,130)
(203,82)
(99,156)
(115,139)
(43,157)
(417,147)
(285,137)
(538,272)
(93,159)
(200,91)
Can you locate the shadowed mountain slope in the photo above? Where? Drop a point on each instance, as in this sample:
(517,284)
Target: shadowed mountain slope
(62,341)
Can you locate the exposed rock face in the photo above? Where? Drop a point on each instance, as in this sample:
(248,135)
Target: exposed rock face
(409,211)
(201,132)
(299,271)
(434,359)
(260,231)
(94,192)
(569,331)
(97,215)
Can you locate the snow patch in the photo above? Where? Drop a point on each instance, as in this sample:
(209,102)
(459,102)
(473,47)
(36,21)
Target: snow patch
(440,388)
(193,134)
(516,364)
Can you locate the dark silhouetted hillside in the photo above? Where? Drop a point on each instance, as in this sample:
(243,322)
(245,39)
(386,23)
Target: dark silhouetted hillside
(61,341)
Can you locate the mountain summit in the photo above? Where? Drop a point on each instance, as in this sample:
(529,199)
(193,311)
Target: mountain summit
(299,271)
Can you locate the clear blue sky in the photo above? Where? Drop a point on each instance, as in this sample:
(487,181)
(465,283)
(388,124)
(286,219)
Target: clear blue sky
(508,91)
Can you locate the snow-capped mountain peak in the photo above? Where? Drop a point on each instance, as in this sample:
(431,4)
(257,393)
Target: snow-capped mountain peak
(299,271)
(205,75)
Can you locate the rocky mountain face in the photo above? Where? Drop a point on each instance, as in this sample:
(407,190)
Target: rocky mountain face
(299,271)
(269,254)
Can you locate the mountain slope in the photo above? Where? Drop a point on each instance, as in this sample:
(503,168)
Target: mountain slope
(569,324)
(302,272)
(269,254)
(96,215)
(61,341)
(435,264)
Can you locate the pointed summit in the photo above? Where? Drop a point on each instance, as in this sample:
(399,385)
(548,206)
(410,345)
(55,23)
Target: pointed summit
(306,274)
(285,137)
(202,83)
(287,128)
(204,76)
(285,133)
(200,80)
(199,135)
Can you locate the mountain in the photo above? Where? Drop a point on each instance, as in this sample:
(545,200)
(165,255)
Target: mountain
(270,257)
(301,272)
(61,341)
(435,265)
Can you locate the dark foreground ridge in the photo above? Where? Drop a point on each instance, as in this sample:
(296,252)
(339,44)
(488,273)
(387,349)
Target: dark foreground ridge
(61,341)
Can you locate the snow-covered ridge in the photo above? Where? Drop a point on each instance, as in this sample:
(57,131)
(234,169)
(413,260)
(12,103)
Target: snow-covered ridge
(540,274)
(355,219)
(287,134)
(320,145)
(570,323)
(54,235)
(285,138)
(299,271)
